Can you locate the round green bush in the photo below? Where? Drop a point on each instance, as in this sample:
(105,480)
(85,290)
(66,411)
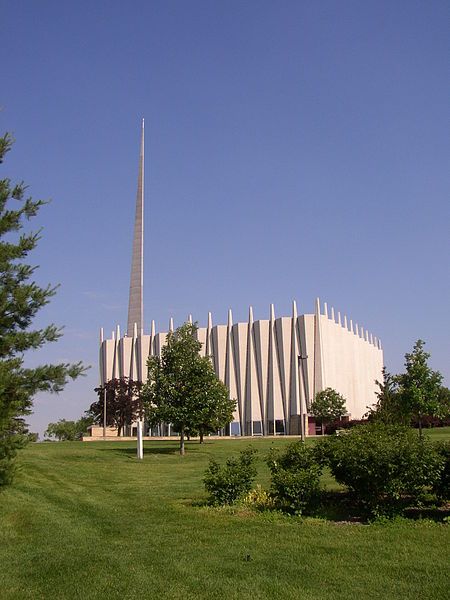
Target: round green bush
(384,466)
(228,483)
(296,474)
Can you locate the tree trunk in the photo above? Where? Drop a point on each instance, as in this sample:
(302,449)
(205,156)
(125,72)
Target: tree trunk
(201,436)
(182,441)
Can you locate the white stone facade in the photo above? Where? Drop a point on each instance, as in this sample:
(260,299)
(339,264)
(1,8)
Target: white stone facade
(273,368)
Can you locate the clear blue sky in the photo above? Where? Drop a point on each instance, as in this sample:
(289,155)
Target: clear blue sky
(294,149)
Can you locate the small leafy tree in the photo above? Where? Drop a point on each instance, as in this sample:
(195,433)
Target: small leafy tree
(182,388)
(227,483)
(420,386)
(327,406)
(20,301)
(68,431)
(123,403)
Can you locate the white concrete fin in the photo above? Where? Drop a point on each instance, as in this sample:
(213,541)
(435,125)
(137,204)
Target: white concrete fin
(294,309)
(345,322)
(118,332)
(356,329)
(339,318)
(171,324)
(152,328)
(113,336)
(352,329)
(325,309)
(101,335)
(230,318)
(317,307)
(371,339)
(135,331)
(208,345)
(190,319)
(332,314)
(379,344)
(272,312)
(250,314)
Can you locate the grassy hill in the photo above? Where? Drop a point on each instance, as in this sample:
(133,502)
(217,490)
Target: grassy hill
(90,521)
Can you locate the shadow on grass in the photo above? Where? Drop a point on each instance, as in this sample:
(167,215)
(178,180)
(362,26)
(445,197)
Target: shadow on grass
(431,513)
(197,503)
(340,507)
(174,449)
(336,507)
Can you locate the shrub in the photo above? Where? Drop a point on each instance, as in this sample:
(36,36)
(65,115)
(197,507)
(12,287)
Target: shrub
(383,465)
(343,424)
(259,499)
(295,477)
(442,486)
(226,484)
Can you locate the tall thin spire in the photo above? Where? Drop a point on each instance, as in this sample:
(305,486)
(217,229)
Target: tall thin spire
(136,299)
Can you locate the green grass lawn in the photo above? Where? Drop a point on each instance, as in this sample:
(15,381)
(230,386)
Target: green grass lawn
(90,521)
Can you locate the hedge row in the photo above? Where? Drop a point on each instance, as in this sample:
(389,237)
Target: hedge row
(384,468)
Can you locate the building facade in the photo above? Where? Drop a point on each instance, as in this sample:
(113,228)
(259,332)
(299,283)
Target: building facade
(272,367)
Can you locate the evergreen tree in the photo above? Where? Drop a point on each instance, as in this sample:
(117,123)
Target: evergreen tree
(388,408)
(20,300)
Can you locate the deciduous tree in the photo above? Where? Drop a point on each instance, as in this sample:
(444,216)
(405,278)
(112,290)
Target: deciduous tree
(420,387)
(328,405)
(68,431)
(123,403)
(182,388)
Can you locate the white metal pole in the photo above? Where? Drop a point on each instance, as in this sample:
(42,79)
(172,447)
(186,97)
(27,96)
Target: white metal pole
(104,412)
(302,421)
(140,445)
